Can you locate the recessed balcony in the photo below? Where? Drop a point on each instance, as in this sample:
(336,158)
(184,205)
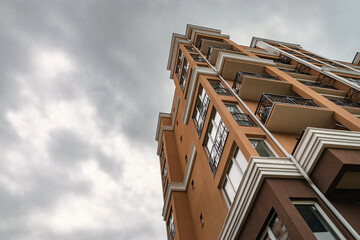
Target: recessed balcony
(228,64)
(250,86)
(206,44)
(289,114)
(213,53)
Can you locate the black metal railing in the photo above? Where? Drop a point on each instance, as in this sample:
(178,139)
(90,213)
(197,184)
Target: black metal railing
(353,95)
(218,147)
(301,68)
(267,102)
(317,84)
(345,103)
(211,48)
(240,75)
(287,70)
(202,109)
(244,119)
(284,59)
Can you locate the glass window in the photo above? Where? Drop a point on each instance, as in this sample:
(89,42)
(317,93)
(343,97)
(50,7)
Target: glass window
(262,148)
(197,58)
(184,74)
(201,108)
(276,230)
(219,89)
(315,219)
(234,175)
(179,63)
(162,155)
(171,226)
(164,174)
(241,118)
(215,140)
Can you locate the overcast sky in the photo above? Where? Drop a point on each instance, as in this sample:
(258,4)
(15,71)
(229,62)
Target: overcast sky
(81,85)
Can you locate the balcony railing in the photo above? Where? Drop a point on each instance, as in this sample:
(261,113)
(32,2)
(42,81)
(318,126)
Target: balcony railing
(353,95)
(345,103)
(211,48)
(301,68)
(267,102)
(241,75)
(244,119)
(322,81)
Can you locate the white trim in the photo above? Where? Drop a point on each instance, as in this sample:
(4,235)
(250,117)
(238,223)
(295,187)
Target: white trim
(257,170)
(315,140)
(327,73)
(179,186)
(263,52)
(356,58)
(174,36)
(340,70)
(189,26)
(161,115)
(194,31)
(255,40)
(166,128)
(192,86)
(176,47)
(323,214)
(227,55)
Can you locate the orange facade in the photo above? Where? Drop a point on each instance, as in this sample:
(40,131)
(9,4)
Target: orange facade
(244,115)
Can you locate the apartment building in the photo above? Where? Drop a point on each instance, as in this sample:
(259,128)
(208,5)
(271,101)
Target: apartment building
(262,141)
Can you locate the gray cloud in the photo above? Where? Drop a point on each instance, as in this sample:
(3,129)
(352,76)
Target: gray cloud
(118,51)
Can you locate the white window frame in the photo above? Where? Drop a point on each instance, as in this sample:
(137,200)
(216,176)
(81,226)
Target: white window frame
(323,214)
(227,178)
(266,143)
(268,230)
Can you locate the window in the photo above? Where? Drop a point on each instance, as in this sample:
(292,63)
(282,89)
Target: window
(184,74)
(197,58)
(171,226)
(201,108)
(202,220)
(162,155)
(178,66)
(164,174)
(219,89)
(215,140)
(262,147)
(241,118)
(275,230)
(234,175)
(190,49)
(318,222)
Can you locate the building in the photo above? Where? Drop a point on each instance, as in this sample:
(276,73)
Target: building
(262,141)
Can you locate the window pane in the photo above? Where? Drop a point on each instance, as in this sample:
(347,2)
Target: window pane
(240,159)
(278,228)
(261,147)
(315,221)
(235,175)
(229,191)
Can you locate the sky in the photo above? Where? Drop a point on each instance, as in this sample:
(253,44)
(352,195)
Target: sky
(81,86)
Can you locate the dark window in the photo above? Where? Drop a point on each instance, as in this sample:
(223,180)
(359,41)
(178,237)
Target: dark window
(184,74)
(178,65)
(241,118)
(262,148)
(219,89)
(215,141)
(201,108)
(171,226)
(164,174)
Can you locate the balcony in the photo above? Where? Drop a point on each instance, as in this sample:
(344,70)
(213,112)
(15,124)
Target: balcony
(289,114)
(206,44)
(250,86)
(213,53)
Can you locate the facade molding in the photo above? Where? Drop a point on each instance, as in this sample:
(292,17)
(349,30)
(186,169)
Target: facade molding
(315,140)
(173,55)
(194,31)
(191,26)
(227,55)
(340,70)
(254,41)
(192,86)
(257,170)
(179,186)
(356,59)
(160,130)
